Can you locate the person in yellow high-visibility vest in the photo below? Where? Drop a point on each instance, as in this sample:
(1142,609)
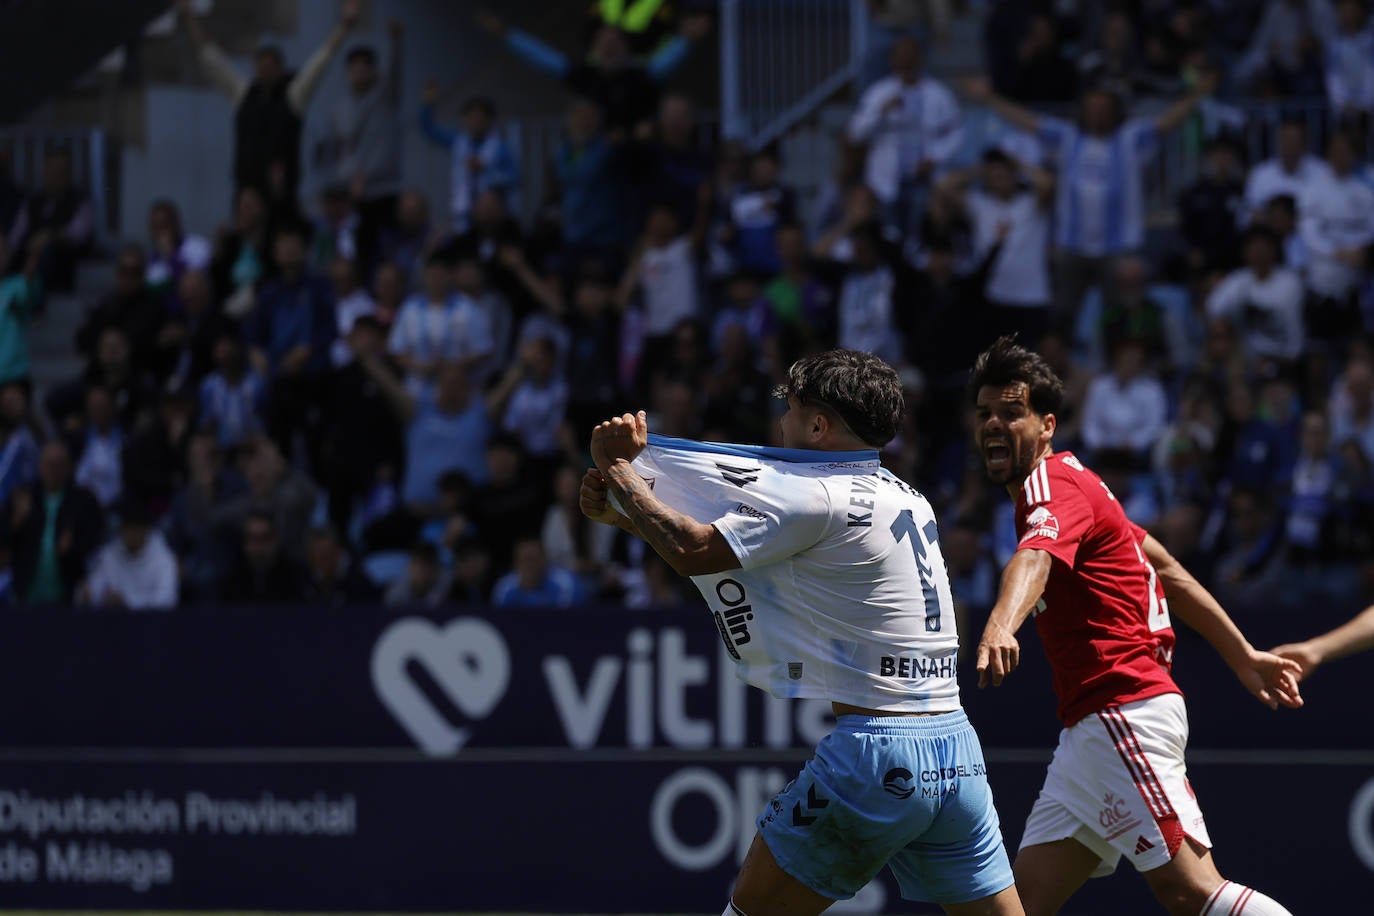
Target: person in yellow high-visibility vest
(646,23)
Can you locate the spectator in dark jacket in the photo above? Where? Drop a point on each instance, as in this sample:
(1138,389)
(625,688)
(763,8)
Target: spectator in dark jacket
(332,578)
(290,334)
(264,573)
(130,306)
(54,526)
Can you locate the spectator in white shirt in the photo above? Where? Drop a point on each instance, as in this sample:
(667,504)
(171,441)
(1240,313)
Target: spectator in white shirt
(1352,406)
(1350,61)
(1015,215)
(136,569)
(434,326)
(351,302)
(866,320)
(1100,163)
(1336,222)
(1291,172)
(532,400)
(1124,408)
(664,273)
(1262,300)
(912,127)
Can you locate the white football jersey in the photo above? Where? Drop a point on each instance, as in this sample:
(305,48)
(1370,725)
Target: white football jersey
(842,594)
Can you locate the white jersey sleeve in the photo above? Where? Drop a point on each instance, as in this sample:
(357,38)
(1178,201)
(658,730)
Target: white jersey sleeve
(766,527)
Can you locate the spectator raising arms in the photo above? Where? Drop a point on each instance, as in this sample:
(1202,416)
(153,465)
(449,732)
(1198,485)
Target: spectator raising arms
(482,161)
(269,109)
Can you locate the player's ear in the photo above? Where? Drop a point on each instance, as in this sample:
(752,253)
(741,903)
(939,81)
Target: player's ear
(1049,423)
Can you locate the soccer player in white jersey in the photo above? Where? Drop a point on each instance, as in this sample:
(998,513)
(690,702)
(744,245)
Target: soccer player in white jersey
(823,574)
(1101,590)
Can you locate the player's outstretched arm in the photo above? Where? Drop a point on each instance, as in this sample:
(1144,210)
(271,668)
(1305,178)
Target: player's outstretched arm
(1272,680)
(1356,635)
(1023,582)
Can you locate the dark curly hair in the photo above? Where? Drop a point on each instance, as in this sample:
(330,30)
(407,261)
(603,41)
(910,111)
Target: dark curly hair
(861,389)
(1007,362)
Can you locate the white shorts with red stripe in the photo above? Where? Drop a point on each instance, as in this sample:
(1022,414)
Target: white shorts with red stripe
(1118,785)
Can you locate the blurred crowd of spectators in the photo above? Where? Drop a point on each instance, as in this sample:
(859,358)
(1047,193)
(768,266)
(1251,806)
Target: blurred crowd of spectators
(353,398)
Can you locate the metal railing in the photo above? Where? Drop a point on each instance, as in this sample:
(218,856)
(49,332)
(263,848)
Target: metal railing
(26,146)
(781,59)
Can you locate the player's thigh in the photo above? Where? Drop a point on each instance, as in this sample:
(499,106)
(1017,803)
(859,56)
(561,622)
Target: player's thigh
(1048,874)
(1185,882)
(764,889)
(1002,903)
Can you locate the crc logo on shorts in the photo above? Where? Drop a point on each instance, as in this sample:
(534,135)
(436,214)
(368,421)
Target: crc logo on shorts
(1041,523)
(467,660)
(897,782)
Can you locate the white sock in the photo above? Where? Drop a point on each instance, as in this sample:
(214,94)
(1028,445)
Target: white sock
(732,910)
(1233,899)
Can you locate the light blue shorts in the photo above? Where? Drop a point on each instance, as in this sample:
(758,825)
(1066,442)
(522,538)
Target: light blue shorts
(906,791)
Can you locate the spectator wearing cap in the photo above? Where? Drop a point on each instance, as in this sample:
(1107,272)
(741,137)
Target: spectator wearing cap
(1337,225)
(533,582)
(365,132)
(268,109)
(135,570)
(480,158)
(425,583)
(264,573)
(53,527)
(1292,171)
(289,335)
(1263,300)
(1100,195)
(624,90)
(172,250)
(912,127)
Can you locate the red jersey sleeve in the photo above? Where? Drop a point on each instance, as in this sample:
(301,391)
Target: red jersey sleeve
(1052,513)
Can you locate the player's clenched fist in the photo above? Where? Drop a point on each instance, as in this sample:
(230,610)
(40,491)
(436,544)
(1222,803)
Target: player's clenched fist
(592,499)
(998,655)
(620,437)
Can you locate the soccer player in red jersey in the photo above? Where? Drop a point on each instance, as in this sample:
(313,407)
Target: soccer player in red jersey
(1101,590)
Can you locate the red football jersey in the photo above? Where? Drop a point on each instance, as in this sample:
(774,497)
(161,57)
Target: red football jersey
(1103,617)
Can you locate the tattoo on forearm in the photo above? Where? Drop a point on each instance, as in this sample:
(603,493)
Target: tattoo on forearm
(663,529)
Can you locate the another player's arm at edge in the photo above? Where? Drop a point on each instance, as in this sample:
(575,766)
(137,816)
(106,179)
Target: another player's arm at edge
(1272,680)
(1023,582)
(1355,635)
(688,546)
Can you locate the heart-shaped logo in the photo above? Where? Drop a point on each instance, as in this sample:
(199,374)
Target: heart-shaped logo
(467,659)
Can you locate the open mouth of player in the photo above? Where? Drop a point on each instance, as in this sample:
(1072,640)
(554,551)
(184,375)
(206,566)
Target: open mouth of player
(996,455)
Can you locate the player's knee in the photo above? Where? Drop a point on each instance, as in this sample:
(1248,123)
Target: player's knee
(1181,894)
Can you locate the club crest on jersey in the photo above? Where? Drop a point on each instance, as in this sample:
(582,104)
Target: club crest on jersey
(1041,523)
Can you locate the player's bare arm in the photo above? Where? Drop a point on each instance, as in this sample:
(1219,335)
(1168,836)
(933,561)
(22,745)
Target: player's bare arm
(593,502)
(688,546)
(1355,635)
(1273,680)
(1023,581)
